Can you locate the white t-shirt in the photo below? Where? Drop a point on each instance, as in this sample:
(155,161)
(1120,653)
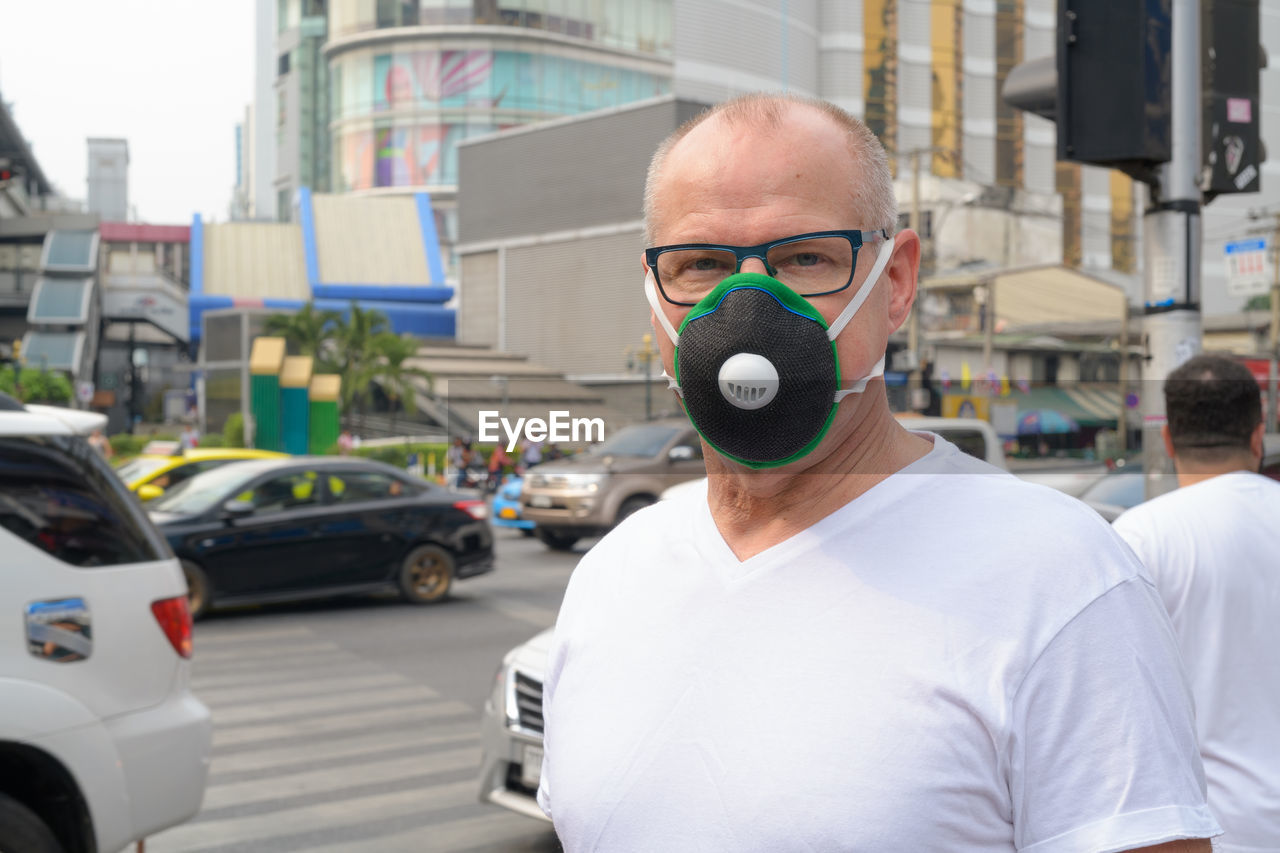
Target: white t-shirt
(956,660)
(1214,551)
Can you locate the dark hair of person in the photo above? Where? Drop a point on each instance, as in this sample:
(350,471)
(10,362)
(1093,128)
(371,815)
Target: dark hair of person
(1213,404)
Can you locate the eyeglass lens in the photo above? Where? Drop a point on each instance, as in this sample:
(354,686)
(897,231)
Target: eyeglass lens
(815,265)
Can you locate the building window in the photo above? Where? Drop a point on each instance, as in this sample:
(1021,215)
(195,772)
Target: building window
(282,64)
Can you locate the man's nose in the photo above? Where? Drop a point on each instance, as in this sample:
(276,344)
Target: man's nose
(756,265)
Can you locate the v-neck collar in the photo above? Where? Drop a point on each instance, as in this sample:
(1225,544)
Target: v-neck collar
(709,542)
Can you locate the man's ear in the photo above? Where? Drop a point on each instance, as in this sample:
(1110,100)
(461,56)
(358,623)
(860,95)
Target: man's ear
(1256,441)
(902,272)
(644,265)
(1168,440)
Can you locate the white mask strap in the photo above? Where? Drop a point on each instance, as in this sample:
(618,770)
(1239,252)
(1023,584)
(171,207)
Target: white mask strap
(651,293)
(861,385)
(868,285)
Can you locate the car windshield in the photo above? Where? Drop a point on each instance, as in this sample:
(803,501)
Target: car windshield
(139,467)
(645,441)
(1124,489)
(194,496)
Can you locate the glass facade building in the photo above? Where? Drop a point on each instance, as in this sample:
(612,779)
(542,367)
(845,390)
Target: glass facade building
(409,81)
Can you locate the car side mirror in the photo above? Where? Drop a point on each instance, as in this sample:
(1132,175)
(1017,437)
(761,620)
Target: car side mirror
(149,492)
(680,453)
(234,509)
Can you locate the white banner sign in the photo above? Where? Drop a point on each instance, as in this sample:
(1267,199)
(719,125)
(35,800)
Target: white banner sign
(1249,270)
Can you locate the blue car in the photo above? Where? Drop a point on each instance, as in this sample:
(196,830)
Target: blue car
(506,506)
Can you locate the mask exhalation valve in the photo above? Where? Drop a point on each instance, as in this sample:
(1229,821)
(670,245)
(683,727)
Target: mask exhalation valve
(748,381)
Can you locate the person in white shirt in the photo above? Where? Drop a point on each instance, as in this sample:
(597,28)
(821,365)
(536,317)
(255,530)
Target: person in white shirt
(1213,548)
(856,638)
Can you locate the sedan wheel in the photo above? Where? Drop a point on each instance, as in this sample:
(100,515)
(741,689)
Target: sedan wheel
(427,575)
(197,589)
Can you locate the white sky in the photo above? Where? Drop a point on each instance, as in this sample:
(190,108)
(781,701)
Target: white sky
(173,77)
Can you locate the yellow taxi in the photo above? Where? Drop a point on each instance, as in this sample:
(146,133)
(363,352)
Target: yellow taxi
(149,474)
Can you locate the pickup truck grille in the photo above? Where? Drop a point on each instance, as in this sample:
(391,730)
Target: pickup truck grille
(529,702)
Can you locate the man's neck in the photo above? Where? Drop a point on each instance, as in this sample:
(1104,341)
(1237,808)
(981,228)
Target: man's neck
(1189,473)
(755,510)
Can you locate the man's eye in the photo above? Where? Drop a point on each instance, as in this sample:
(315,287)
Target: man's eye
(706,264)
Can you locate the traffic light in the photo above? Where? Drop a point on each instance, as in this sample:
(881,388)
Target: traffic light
(1108,90)
(6,171)
(1231,60)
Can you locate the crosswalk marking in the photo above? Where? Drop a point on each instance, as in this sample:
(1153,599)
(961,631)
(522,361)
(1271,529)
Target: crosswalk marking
(374,742)
(237,694)
(321,745)
(261,829)
(408,695)
(332,670)
(260,651)
(447,836)
(313,656)
(224,634)
(421,713)
(336,779)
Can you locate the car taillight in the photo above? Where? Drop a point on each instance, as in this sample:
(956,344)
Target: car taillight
(478,510)
(175,621)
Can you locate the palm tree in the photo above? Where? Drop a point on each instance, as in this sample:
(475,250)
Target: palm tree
(307,331)
(394,376)
(357,356)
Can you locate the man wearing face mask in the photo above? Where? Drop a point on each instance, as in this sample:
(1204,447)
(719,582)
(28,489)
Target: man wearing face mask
(858,638)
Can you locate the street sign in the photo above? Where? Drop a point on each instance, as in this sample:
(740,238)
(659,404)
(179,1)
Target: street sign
(1248,267)
(84,391)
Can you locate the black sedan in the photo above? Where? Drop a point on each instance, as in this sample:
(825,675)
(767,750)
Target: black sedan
(277,529)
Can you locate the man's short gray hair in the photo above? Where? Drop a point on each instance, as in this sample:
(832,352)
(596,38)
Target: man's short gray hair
(767,110)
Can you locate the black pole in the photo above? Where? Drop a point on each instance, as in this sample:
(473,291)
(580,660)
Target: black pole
(133,378)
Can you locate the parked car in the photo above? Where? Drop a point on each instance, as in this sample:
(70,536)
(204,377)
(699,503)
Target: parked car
(149,474)
(975,437)
(1124,487)
(275,530)
(101,741)
(511,729)
(587,494)
(972,435)
(507,510)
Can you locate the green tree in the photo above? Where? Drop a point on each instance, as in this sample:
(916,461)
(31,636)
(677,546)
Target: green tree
(1261,302)
(396,378)
(308,332)
(358,355)
(36,385)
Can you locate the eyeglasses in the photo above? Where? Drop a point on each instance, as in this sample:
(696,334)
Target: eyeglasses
(812,264)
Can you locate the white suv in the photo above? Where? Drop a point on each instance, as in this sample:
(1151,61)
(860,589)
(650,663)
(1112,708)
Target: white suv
(101,740)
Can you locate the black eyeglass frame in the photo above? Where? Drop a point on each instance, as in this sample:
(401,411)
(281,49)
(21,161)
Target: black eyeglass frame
(857,239)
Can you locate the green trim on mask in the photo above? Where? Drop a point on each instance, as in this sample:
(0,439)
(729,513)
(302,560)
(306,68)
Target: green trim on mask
(788,298)
(793,302)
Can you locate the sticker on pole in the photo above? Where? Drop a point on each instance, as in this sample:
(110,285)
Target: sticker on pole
(1249,267)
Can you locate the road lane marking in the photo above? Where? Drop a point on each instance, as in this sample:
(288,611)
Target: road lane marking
(332,779)
(287,757)
(233,695)
(204,837)
(331,726)
(311,706)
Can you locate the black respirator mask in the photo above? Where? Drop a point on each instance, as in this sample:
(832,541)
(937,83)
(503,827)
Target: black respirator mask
(757,367)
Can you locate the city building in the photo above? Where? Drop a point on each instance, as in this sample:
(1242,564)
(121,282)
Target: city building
(264,124)
(109,179)
(301,111)
(241,207)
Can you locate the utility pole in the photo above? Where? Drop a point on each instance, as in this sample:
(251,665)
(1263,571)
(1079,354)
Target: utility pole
(913,330)
(1272,397)
(1171,248)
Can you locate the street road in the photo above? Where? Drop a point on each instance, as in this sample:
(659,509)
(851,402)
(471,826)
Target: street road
(353,725)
